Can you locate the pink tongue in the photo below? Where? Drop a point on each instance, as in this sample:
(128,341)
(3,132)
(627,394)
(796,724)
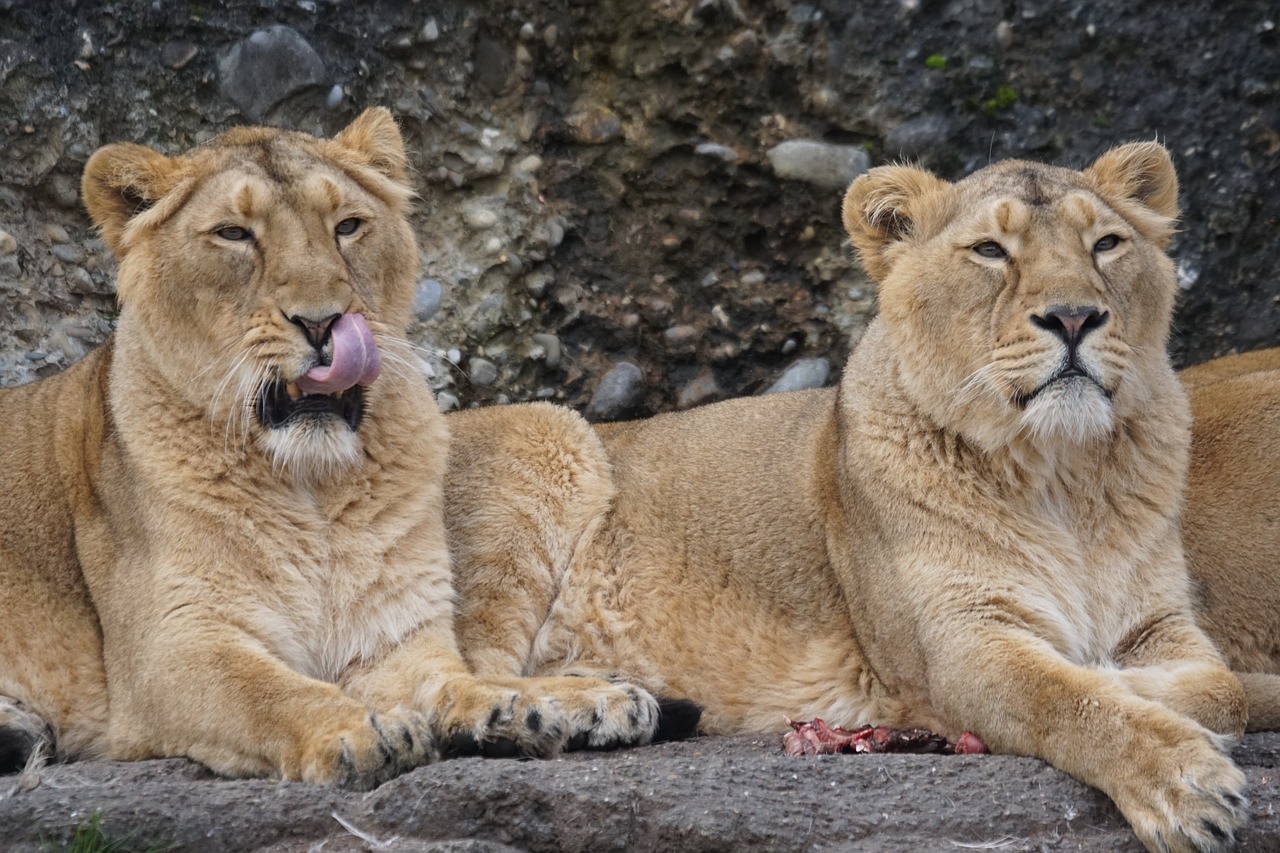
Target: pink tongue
(355,359)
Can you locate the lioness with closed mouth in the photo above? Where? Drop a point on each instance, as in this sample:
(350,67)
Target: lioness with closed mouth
(979,529)
(221,533)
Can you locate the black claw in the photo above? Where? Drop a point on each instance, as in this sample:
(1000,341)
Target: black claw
(461,744)
(503,747)
(1215,830)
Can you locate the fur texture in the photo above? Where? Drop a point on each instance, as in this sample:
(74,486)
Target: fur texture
(179,577)
(978,530)
(1231,527)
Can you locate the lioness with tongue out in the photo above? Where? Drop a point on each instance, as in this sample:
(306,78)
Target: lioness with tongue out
(222,532)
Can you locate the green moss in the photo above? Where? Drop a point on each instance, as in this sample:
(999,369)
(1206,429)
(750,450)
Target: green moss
(91,838)
(936,61)
(1006,96)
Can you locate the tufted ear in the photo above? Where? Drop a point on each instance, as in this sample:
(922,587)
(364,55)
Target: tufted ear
(1140,172)
(374,138)
(123,180)
(882,208)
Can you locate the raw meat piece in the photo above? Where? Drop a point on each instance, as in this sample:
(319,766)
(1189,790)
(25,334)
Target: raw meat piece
(817,738)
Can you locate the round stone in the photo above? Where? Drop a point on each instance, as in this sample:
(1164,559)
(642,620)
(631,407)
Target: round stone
(804,373)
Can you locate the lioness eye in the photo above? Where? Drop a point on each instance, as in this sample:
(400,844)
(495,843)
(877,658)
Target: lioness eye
(1107,243)
(347,227)
(991,249)
(234,233)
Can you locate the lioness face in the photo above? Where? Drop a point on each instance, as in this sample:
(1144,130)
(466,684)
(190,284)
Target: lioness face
(1041,291)
(287,269)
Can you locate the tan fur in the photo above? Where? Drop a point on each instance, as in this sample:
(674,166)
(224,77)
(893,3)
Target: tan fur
(957,538)
(176,578)
(1232,524)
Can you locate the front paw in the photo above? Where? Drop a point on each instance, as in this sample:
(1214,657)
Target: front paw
(498,721)
(368,752)
(1189,798)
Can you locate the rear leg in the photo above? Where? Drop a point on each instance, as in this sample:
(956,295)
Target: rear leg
(52,683)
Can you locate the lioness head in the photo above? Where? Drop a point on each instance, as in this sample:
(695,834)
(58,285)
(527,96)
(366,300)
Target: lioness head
(263,276)
(1024,300)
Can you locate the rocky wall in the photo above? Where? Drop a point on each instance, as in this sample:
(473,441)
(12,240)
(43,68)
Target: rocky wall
(632,205)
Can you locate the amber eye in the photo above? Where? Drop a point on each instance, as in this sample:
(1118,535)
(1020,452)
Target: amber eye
(1107,243)
(347,227)
(991,249)
(234,233)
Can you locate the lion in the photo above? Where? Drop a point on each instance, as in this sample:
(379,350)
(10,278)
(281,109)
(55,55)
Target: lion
(222,531)
(977,530)
(1231,527)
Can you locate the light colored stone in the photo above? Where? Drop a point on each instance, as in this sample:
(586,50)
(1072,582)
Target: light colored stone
(804,373)
(819,163)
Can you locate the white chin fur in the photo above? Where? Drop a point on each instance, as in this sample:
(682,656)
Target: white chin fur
(1074,412)
(310,449)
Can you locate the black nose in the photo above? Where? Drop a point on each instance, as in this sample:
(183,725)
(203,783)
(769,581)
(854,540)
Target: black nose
(317,331)
(1071,323)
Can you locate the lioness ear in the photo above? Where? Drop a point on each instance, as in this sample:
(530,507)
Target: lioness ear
(123,180)
(1141,172)
(374,137)
(881,208)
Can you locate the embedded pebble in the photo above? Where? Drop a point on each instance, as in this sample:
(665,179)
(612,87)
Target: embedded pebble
(703,388)
(550,35)
(594,125)
(8,245)
(527,32)
(446,402)
(260,71)
(819,163)
(334,98)
(57,234)
(536,283)
(532,163)
(177,54)
(618,392)
(482,371)
(67,254)
(430,30)
(804,373)
(682,337)
(550,347)
(426,302)
(720,152)
(479,218)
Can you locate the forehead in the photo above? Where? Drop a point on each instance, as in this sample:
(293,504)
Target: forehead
(282,166)
(1023,194)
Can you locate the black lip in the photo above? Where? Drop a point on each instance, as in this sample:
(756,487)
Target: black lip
(1066,372)
(276,409)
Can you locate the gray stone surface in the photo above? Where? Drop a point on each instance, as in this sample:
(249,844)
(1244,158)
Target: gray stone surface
(701,795)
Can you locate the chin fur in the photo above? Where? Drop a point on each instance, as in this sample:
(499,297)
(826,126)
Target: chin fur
(1074,412)
(312,449)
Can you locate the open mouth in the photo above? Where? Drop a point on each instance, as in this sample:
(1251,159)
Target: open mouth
(282,403)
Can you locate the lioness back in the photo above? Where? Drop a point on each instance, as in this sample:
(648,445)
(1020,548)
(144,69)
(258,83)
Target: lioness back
(1232,519)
